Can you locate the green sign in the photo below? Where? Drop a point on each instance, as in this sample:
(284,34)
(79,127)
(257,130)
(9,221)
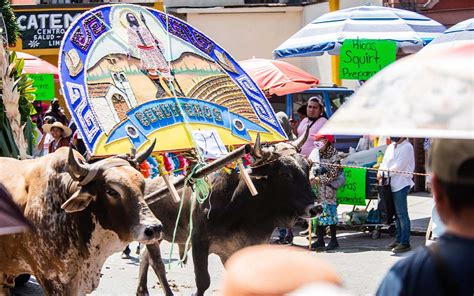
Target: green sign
(360,59)
(44,84)
(353,192)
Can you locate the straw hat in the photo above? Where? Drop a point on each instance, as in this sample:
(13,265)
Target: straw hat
(66,131)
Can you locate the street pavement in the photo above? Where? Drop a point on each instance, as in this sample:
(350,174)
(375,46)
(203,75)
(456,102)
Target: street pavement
(360,261)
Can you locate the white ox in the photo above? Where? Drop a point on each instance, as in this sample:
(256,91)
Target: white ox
(82,214)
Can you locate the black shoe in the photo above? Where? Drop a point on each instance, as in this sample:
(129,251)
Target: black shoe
(401,248)
(125,255)
(393,245)
(333,244)
(319,244)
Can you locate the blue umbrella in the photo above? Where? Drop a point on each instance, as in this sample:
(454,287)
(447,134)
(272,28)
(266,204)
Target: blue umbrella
(410,30)
(463,31)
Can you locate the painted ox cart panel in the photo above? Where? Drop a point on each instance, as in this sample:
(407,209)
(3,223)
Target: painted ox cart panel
(131,74)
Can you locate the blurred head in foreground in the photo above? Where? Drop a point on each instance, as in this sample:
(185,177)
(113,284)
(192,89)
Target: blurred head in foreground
(452,166)
(276,270)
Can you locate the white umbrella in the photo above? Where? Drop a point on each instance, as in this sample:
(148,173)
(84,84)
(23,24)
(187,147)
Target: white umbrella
(410,30)
(458,35)
(429,95)
(459,32)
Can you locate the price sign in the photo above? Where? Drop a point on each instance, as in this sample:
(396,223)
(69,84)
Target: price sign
(353,192)
(360,59)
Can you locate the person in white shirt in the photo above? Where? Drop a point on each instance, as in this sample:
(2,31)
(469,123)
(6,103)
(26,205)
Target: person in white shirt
(399,156)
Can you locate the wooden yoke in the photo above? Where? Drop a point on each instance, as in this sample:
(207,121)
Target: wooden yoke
(166,177)
(245,175)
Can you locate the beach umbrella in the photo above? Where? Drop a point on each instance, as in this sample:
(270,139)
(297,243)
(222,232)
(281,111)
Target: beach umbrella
(428,95)
(458,35)
(11,218)
(36,65)
(410,30)
(463,31)
(278,77)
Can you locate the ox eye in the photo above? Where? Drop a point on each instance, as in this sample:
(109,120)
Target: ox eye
(112,192)
(286,175)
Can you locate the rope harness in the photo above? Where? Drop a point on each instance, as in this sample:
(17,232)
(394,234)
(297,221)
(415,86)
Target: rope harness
(373,169)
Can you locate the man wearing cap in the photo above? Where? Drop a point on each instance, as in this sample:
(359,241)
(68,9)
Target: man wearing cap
(60,134)
(447,266)
(314,121)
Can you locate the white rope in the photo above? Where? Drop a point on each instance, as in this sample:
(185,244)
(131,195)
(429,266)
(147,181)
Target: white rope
(372,169)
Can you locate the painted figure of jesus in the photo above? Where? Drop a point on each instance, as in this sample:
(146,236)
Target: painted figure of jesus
(152,57)
(150,48)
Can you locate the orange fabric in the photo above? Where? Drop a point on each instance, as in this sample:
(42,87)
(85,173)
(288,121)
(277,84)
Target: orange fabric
(277,77)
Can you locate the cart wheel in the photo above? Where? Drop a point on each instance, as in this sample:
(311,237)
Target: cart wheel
(376,234)
(392,230)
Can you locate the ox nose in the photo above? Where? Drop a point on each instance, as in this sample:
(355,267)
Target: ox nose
(153,230)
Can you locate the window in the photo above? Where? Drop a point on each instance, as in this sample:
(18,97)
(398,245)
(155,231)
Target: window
(337,99)
(302,99)
(278,103)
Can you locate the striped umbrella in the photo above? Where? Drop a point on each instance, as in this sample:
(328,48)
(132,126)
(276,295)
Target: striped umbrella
(410,30)
(458,35)
(463,31)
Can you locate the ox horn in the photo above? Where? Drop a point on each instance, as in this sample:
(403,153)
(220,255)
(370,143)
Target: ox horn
(257,148)
(144,155)
(298,143)
(74,167)
(257,151)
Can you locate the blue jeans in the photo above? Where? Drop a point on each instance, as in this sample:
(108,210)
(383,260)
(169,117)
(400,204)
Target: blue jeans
(403,221)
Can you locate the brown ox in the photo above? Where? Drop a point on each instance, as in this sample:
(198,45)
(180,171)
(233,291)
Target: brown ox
(82,214)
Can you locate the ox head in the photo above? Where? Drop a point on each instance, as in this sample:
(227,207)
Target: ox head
(113,191)
(285,172)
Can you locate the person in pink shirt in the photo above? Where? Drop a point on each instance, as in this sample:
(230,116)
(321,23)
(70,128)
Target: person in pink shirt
(314,121)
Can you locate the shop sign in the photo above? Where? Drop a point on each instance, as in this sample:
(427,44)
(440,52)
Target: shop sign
(44,29)
(44,84)
(353,192)
(360,59)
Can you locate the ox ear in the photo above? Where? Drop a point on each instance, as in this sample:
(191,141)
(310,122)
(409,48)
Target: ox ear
(78,201)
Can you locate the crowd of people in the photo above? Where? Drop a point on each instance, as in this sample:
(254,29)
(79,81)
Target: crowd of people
(57,131)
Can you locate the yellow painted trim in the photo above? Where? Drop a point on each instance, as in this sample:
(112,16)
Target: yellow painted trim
(335,70)
(333,6)
(159,5)
(168,138)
